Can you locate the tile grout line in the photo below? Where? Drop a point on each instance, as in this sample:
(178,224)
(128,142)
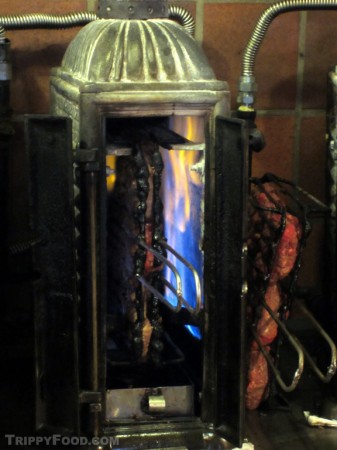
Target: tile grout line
(299,95)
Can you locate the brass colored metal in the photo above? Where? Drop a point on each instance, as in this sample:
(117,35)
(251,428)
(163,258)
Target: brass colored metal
(157,404)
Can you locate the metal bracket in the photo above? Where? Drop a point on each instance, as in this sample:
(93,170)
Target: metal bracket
(91,397)
(87,159)
(86,155)
(132,9)
(95,407)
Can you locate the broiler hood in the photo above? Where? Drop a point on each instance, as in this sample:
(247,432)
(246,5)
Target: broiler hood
(133,67)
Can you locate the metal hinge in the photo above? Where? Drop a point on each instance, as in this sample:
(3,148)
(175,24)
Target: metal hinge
(87,159)
(94,399)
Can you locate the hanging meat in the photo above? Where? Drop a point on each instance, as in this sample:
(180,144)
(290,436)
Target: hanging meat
(272,263)
(146,316)
(135,217)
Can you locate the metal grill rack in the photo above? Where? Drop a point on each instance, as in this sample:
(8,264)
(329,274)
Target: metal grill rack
(268,223)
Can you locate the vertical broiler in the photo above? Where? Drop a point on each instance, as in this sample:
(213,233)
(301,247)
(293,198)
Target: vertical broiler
(140,213)
(151,257)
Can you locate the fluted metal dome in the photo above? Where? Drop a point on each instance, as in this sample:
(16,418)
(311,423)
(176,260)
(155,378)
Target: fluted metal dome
(123,67)
(135,50)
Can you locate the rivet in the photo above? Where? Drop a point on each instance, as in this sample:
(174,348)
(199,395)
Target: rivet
(150,10)
(108,8)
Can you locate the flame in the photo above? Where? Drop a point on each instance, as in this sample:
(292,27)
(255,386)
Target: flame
(181,162)
(110,161)
(182,198)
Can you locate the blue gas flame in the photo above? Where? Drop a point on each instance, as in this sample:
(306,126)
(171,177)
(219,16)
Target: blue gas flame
(182,198)
(195,331)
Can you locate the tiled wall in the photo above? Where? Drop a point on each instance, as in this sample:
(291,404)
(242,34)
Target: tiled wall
(291,71)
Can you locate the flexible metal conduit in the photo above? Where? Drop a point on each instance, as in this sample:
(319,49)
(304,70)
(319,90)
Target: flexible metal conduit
(185,19)
(247,81)
(25,21)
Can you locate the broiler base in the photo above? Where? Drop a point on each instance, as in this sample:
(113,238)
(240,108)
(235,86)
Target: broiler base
(186,434)
(147,403)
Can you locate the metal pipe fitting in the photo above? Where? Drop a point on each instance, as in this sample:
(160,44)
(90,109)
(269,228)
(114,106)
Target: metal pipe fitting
(247,89)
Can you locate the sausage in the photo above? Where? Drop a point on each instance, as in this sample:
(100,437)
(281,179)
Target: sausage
(257,377)
(285,256)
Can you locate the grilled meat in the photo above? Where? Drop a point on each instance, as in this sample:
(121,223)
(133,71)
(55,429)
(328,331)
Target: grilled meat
(273,265)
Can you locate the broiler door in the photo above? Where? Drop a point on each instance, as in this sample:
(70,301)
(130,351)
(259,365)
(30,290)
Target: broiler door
(225,230)
(50,158)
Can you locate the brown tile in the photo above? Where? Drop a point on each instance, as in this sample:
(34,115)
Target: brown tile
(320,56)
(35,52)
(277,156)
(312,156)
(227,28)
(35,6)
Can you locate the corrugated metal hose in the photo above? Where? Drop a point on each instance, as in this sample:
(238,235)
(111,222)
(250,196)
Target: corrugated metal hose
(267,17)
(27,21)
(247,85)
(185,19)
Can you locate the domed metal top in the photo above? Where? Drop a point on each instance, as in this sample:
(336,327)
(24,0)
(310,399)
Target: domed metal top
(135,51)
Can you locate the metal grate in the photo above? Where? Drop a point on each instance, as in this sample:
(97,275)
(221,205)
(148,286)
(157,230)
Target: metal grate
(280,222)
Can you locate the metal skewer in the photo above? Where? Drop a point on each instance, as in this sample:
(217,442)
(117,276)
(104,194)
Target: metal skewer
(331,370)
(153,290)
(181,301)
(294,343)
(195,275)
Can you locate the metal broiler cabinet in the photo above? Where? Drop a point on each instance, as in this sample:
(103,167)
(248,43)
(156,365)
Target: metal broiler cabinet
(138,186)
